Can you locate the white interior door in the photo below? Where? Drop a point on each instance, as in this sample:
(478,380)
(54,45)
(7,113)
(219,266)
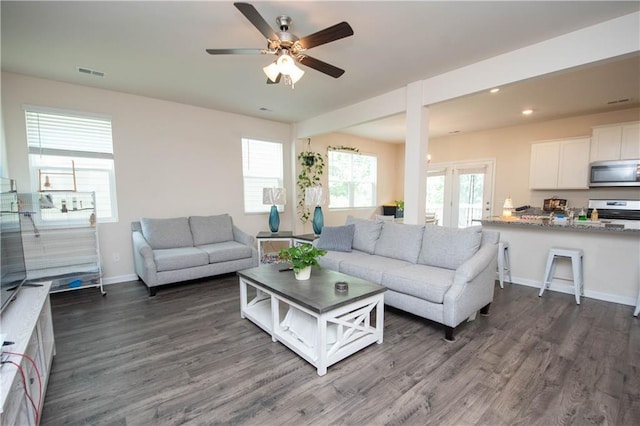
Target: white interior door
(460,192)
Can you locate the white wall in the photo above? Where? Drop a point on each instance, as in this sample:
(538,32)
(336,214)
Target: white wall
(171,159)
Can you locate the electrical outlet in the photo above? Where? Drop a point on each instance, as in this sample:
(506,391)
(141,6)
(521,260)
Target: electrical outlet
(116,257)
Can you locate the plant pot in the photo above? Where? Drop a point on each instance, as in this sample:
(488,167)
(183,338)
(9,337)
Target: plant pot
(309,160)
(303,274)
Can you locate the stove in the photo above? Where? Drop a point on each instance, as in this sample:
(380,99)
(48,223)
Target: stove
(616,209)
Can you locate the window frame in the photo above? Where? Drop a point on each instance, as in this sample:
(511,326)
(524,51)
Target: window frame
(261,208)
(75,155)
(352,183)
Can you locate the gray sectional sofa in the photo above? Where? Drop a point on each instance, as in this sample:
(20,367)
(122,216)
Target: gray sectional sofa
(442,274)
(180,249)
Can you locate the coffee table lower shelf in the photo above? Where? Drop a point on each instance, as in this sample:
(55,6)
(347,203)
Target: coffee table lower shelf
(321,339)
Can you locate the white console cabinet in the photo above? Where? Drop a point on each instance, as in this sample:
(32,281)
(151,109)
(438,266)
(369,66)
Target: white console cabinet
(26,322)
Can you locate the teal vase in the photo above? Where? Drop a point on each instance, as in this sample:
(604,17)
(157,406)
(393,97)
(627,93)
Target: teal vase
(318,220)
(274,219)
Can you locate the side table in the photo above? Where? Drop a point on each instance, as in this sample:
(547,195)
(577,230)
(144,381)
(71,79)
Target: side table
(266,236)
(303,238)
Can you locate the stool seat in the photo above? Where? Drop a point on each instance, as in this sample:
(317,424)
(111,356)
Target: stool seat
(576,256)
(504,262)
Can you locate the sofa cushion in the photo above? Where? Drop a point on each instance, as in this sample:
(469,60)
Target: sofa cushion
(179,258)
(332,259)
(366,233)
(336,238)
(449,247)
(228,250)
(400,241)
(422,281)
(167,233)
(370,267)
(211,229)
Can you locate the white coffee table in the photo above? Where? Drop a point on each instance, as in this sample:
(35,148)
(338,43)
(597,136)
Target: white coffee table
(311,318)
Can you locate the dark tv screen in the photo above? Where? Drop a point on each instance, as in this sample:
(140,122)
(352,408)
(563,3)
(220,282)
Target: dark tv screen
(12,266)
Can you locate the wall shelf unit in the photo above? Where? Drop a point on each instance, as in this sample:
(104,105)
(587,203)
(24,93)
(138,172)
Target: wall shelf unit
(60,239)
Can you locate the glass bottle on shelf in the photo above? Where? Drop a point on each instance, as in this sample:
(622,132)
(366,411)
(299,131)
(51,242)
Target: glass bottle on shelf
(582,215)
(63,209)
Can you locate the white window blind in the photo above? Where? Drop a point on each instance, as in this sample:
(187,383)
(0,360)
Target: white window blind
(262,167)
(61,141)
(352,180)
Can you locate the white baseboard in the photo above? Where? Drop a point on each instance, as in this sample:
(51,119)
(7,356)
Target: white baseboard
(119,279)
(568,289)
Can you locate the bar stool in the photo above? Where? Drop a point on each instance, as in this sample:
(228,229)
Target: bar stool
(504,262)
(635,314)
(576,265)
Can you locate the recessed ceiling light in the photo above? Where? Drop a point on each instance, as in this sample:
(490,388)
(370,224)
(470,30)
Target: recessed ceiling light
(494,90)
(527,111)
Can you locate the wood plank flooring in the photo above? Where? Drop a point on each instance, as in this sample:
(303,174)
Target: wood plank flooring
(186,357)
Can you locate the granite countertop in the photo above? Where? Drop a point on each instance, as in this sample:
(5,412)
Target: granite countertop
(577,226)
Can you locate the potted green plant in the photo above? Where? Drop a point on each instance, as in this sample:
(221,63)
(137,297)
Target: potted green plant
(302,258)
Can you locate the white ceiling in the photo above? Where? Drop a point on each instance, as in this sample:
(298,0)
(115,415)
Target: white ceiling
(157,49)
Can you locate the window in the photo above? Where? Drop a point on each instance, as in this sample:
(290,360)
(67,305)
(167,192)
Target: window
(62,143)
(352,180)
(262,167)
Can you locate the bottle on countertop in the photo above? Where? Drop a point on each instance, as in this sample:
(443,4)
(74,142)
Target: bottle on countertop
(582,215)
(594,214)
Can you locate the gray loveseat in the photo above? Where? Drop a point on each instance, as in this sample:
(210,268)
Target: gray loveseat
(442,274)
(180,249)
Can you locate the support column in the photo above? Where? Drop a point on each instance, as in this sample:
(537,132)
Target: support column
(415,156)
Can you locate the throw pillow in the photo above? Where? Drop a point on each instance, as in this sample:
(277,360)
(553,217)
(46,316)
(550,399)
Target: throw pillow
(400,241)
(337,238)
(167,233)
(449,247)
(211,229)
(366,233)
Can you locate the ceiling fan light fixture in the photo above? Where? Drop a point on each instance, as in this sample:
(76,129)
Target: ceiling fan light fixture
(285,63)
(295,74)
(271,71)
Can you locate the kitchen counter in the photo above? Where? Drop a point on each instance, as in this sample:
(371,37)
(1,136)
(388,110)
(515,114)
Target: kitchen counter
(631,227)
(611,256)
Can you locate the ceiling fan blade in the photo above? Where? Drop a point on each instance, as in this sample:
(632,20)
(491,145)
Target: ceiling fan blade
(323,67)
(234,51)
(257,20)
(327,35)
(274,82)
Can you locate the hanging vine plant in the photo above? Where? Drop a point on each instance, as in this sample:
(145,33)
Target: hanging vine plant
(311,170)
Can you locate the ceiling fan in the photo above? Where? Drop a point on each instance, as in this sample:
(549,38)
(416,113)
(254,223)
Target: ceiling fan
(287,47)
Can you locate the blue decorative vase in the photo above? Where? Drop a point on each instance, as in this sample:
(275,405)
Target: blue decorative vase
(318,220)
(274,219)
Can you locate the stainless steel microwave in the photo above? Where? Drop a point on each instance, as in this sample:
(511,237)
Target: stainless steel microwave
(614,173)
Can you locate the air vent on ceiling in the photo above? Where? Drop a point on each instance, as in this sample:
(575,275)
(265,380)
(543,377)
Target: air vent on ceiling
(618,101)
(89,71)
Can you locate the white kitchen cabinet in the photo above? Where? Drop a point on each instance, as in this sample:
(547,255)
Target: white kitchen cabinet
(560,164)
(616,142)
